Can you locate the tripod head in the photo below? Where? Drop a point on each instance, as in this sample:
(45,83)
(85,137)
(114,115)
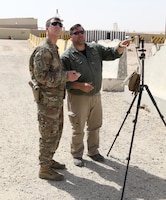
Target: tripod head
(139,41)
(142,49)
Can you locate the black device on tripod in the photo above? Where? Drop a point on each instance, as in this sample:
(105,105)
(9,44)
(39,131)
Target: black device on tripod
(139,94)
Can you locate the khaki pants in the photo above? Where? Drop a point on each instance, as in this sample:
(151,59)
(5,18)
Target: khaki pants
(85,111)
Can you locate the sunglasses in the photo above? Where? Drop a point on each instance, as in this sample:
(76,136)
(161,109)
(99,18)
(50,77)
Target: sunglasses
(57,24)
(78,32)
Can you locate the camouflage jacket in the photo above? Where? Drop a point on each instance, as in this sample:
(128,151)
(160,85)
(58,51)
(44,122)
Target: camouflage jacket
(47,72)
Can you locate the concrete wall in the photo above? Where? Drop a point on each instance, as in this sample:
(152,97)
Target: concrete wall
(114,72)
(155,79)
(16,34)
(155,71)
(23,34)
(157,38)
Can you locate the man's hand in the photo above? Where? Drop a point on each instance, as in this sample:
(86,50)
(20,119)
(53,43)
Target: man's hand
(85,87)
(72,75)
(123,44)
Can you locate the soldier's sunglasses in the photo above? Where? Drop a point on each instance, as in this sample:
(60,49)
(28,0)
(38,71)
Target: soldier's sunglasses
(57,24)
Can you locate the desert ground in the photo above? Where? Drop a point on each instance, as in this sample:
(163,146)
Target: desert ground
(19,140)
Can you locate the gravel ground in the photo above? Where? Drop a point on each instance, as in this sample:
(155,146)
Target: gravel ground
(146,179)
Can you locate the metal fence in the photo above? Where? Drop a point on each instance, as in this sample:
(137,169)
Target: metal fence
(95,35)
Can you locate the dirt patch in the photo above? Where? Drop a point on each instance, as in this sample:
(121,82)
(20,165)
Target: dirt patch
(19,144)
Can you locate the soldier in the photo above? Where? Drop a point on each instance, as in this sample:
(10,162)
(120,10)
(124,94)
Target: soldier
(48,83)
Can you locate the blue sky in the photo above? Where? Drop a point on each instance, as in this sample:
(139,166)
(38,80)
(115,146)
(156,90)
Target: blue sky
(129,15)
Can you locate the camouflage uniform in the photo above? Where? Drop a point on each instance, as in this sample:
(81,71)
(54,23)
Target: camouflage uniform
(47,72)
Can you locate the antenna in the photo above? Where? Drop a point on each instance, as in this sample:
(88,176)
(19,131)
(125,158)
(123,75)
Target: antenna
(58,15)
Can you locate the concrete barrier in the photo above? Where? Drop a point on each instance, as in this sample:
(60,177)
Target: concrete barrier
(61,43)
(114,72)
(155,72)
(155,79)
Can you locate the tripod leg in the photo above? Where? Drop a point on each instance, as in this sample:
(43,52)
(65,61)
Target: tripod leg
(154,102)
(132,139)
(127,113)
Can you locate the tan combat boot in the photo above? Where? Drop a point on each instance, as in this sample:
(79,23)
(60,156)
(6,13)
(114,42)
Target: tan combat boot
(56,165)
(49,174)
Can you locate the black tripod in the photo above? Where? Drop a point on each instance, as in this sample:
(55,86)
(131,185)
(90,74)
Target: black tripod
(142,86)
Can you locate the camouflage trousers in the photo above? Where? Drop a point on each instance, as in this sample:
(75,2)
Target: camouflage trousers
(50,127)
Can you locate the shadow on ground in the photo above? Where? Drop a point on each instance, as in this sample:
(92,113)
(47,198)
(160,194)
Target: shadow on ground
(139,184)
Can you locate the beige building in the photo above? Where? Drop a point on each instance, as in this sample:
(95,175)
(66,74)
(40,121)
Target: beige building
(24,23)
(17,28)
